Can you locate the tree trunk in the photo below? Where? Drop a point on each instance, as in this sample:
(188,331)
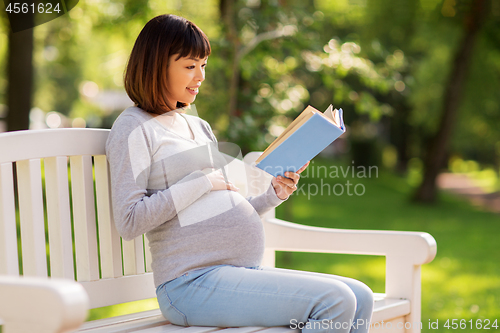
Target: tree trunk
(228,14)
(437,149)
(402,147)
(20,79)
(400,132)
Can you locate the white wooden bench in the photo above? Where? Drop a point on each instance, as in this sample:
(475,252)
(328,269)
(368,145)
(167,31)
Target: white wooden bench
(109,271)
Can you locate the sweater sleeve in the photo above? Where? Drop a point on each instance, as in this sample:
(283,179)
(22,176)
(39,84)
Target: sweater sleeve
(262,203)
(128,151)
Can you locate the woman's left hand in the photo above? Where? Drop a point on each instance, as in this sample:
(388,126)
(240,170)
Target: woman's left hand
(284,186)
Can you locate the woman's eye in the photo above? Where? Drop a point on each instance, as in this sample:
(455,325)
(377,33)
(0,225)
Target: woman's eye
(194,66)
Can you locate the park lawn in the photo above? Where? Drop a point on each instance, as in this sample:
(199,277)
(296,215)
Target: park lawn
(463,282)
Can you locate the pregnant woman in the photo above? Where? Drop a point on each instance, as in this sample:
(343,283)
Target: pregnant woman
(206,239)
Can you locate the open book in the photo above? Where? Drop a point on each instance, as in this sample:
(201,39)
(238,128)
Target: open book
(310,133)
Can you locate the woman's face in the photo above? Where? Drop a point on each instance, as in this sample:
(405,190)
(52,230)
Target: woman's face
(184,77)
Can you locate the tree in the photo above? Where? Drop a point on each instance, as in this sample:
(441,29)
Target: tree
(252,31)
(438,148)
(392,25)
(20,77)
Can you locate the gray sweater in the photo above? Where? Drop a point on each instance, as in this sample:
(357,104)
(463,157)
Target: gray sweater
(158,188)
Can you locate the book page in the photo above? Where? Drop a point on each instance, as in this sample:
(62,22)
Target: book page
(329,112)
(333,115)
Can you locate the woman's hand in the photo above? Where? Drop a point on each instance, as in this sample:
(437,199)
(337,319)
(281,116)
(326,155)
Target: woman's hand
(284,186)
(218,182)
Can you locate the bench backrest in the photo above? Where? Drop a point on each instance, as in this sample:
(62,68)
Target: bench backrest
(56,217)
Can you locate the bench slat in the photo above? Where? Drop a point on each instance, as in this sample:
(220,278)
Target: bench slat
(34,253)
(8,233)
(59,217)
(120,290)
(82,187)
(146,317)
(390,308)
(133,256)
(137,325)
(23,145)
(109,240)
(248,329)
(199,329)
(279,330)
(164,329)
(149,259)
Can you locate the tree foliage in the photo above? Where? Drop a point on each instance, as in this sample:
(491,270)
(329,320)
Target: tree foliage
(387,63)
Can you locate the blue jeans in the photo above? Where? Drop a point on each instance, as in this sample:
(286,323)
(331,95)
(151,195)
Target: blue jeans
(228,296)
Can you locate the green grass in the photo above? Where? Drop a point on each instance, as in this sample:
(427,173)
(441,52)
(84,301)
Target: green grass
(463,281)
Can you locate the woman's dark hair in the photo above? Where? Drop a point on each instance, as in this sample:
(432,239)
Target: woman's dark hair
(146,72)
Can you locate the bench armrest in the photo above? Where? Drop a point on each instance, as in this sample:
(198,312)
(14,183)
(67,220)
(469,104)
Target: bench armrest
(37,304)
(405,252)
(417,248)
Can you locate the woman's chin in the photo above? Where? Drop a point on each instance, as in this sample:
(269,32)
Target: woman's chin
(188,100)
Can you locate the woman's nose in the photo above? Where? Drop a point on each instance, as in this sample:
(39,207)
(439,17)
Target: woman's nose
(200,74)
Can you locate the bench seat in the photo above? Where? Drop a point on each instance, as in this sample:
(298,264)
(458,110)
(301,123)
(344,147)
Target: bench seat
(152,321)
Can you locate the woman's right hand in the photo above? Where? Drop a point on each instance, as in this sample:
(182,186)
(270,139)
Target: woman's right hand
(218,182)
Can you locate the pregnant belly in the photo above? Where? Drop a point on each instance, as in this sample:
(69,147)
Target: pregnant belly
(213,204)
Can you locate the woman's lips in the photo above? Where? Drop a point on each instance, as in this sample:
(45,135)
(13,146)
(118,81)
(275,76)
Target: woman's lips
(192,91)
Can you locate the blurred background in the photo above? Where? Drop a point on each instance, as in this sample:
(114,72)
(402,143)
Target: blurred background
(418,80)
